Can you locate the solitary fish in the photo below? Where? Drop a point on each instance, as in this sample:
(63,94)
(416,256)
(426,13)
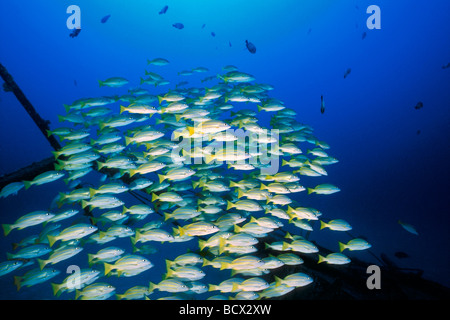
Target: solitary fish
(408,227)
(178,25)
(322,105)
(105,18)
(164,10)
(250,46)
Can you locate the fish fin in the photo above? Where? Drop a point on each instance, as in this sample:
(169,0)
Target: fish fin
(322,225)
(237,229)
(160,99)
(284,162)
(122,109)
(229,205)
(154,197)
(90,258)
(77,294)
(101,83)
(233,184)
(259,108)
(263,187)
(285,246)
(240,193)
(342,246)
(310,190)
(234,287)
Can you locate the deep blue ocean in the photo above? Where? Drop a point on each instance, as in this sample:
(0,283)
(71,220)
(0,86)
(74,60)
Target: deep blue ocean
(393,157)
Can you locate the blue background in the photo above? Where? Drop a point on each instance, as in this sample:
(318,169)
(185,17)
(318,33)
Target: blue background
(387,171)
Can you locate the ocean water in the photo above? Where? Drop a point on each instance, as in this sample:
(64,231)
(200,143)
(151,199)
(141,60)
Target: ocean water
(393,158)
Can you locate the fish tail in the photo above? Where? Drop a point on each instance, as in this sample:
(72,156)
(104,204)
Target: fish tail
(92,192)
(27,184)
(101,83)
(161,178)
(191,130)
(201,244)
(128,140)
(42,263)
(160,99)
(310,190)
(213,287)
(77,294)
(278,281)
(263,187)
(49,133)
(342,246)
(237,229)
(154,197)
(61,118)
(56,288)
(221,245)
(224,265)
(7,228)
(84,204)
(323,225)
(17,282)
(108,267)
(321,259)
(240,193)
(284,162)
(229,205)
(234,287)
(51,240)
(285,246)
(90,258)
(122,109)
(151,287)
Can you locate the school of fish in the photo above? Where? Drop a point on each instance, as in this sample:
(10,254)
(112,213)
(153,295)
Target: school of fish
(191,164)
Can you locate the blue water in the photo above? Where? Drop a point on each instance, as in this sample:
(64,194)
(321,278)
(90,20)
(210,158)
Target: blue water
(388,170)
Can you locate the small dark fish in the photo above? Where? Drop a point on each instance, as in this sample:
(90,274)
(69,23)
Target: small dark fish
(364,35)
(401,255)
(418,131)
(322,105)
(164,10)
(213,34)
(419,105)
(347,72)
(309,31)
(229,43)
(203,26)
(75,83)
(250,46)
(75,33)
(105,18)
(446,66)
(178,25)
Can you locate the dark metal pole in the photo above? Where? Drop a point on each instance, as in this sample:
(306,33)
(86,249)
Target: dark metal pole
(10,85)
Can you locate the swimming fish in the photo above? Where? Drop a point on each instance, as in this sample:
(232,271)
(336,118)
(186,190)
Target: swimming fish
(250,46)
(408,227)
(178,25)
(157,168)
(105,18)
(164,9)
